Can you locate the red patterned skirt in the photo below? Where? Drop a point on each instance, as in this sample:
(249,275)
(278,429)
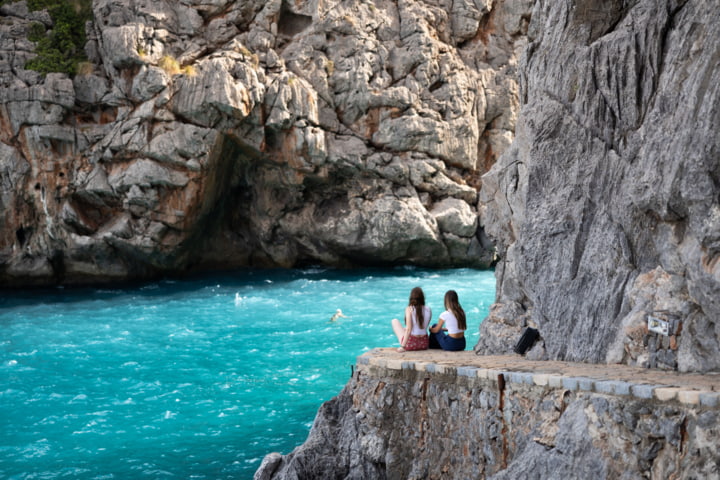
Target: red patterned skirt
(417,342)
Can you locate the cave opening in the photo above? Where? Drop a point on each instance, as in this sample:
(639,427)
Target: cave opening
(223,237)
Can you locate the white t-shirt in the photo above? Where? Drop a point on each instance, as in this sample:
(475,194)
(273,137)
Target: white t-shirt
(451,322)
(421,329)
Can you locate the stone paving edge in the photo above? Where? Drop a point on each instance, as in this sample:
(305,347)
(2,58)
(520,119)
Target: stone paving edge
(644,391)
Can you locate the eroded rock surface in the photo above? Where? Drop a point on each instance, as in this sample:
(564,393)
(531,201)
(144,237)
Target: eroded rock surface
(407,422)
(606,207)
(278,133)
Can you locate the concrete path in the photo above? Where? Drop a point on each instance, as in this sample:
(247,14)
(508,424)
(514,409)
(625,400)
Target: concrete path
(687,388)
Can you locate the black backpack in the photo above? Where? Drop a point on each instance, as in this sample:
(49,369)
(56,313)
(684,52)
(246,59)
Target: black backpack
(527,340)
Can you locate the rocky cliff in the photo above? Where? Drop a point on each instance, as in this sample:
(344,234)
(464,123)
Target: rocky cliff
(606,208)
(213,134)
(455,415)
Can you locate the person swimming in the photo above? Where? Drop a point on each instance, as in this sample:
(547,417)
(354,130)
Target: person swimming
(238,299)
(338,314)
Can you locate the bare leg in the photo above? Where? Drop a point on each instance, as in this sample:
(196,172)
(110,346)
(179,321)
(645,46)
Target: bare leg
(398,329)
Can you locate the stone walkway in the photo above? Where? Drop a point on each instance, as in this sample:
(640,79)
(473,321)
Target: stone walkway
(687,388)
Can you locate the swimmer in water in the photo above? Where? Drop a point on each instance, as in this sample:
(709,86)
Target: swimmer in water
(338,314)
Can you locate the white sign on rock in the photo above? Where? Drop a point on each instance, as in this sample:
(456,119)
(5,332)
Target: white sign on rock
(658,325)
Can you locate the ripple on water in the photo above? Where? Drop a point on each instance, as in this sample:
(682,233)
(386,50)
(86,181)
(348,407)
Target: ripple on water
(36,449)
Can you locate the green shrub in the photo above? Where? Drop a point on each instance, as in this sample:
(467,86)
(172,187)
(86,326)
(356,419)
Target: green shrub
(36,32)
(61,48)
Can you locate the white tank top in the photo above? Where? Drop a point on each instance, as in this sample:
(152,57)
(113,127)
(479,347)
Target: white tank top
(421,329)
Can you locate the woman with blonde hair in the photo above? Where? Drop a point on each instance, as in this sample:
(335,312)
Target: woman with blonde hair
(453,321)
(413,336)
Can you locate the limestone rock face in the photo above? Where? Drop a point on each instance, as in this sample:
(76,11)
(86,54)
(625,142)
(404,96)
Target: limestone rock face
(606,208)
(407,424)
(273,133)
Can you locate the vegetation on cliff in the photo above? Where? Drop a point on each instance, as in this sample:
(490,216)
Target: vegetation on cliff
(59,49)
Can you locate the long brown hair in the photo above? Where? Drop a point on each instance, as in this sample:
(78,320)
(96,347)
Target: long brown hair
(453,304)
(417,300)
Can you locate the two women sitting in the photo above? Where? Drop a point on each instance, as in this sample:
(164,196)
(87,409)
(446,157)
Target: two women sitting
(447,334)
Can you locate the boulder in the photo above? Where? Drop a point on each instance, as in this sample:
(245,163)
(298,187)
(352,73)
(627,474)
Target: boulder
(144,173)
(456,217)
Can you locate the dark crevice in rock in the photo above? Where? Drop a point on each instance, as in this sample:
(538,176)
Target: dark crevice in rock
(227,199)
(57,262)
(290,23)
(22,234)
(504,429)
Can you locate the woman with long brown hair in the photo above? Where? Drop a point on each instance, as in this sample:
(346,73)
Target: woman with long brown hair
(453,321)
(413,336)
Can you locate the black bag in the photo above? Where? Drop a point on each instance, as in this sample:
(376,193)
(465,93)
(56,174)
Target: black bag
(527,340)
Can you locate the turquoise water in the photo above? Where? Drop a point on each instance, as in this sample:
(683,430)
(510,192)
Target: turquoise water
(195,378)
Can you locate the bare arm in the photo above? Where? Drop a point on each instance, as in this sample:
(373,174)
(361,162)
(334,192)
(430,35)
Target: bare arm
(408,324)
(408,328)
(439,326)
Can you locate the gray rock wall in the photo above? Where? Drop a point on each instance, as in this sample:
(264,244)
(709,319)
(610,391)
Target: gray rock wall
(606,207)
(228,133)
(413,423)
